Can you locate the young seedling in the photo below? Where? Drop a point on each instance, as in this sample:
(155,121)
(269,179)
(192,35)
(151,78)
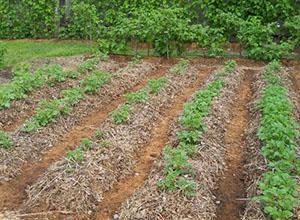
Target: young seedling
(75,156)
(121,114)
(86,144)
(5,140)
(99,134)
(106,143)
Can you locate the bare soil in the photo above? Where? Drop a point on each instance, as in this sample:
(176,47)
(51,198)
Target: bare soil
(231,189)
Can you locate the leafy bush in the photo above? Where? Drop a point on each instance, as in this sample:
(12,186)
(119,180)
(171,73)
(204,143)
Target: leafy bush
(293,26)
(258,40)
(5,140)
(84,22)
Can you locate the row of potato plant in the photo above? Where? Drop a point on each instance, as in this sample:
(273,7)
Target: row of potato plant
(76,156)
(278,134)
(24,81)
(178,171)
(122,114)
(49,110)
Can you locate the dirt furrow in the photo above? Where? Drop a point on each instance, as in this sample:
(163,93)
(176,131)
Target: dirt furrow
(231,189)
(125,188)
(12,192)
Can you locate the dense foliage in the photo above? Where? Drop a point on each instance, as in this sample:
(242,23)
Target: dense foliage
(278,133)
(266,30)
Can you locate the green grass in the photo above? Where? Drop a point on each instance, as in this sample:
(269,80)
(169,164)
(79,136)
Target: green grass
(27,50)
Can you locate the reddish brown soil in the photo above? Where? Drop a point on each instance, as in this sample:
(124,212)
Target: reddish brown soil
(12,193)
(126,187)
(296,81)
(231,185)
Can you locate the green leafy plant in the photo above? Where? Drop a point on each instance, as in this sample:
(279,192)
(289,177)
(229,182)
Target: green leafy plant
(93,82)
(155,85)
(73,74)
(178,171)
(75,156)
(71,96)
(99,134)
(46,113)
(121,114)
(5,140)
(86,144)
(278,132)
(137,97)
(87,65)
(181,67)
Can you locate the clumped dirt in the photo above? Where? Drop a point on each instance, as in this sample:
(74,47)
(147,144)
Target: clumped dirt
(105,166)
(231,189)
(148,202)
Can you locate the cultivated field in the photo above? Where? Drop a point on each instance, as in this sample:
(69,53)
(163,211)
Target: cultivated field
(154,138)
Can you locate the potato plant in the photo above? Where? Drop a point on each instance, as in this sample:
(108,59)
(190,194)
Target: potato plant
(122,114)
(24,82)
(49,110)
(278,132)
